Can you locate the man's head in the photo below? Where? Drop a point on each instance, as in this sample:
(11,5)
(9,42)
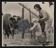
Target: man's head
(37,7)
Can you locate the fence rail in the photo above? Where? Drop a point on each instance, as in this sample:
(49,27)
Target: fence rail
(28,9)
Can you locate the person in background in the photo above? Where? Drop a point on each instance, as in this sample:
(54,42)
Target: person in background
(43,17)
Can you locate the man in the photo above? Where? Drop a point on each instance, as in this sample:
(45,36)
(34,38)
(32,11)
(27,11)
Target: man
(43,17)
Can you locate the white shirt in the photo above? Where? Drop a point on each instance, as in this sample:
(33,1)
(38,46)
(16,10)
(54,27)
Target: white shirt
(44,14)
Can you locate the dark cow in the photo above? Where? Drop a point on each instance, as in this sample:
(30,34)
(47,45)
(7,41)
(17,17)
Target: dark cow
(22,26)
(6,26)
(10,24)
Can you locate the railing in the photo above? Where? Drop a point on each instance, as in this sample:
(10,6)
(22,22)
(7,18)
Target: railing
(28,9)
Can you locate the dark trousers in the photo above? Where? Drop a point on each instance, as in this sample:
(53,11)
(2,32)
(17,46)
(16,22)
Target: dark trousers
(7,30)
(42,24)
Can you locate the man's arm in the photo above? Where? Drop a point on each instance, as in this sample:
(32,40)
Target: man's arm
(33,27)
(45,15)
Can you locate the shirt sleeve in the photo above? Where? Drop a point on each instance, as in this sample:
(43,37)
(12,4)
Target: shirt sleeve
(33,27)
(45,15)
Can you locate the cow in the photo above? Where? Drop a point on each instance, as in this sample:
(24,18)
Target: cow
(6,26)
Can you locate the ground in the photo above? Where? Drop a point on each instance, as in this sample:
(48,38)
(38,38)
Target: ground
(18,41)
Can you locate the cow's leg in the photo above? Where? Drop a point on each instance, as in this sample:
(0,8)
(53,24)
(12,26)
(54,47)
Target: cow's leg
(5,35)
(23,34)
(34,35)
(31,35)
(8,35)
(13,34)
(6,32)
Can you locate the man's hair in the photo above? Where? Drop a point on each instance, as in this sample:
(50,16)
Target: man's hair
(37,5)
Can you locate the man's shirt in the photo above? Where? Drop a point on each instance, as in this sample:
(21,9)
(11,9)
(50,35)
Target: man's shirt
(43,15)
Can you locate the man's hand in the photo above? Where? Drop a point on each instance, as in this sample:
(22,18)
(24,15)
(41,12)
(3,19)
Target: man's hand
(33,27)
(41,20)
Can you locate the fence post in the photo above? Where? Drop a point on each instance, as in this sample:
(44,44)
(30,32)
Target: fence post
(23,31)
(30,15)
(30,20)
(22,13)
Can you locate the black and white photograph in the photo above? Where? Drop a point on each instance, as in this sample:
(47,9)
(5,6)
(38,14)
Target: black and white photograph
(28,23)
